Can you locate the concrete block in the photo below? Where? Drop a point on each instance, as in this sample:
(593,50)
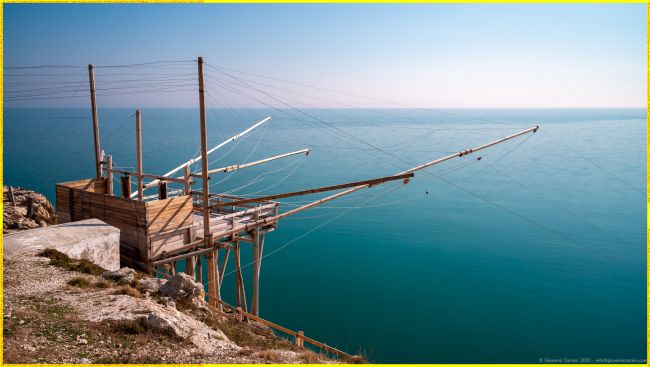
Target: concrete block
(89,239)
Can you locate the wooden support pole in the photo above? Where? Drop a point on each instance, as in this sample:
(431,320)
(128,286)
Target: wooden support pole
(256,274)
(173,268)
(188,180)
(240,278)
(109,175)
(162,190)
(213,275)
(138,150)
(223,266)
(261,254)
(299,338)
(30,207)
(93,103)
(199,269)
(236,167)
(214,287)
(190,262)
(126,186)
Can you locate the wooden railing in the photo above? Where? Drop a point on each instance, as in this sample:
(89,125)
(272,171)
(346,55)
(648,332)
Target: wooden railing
(299,336)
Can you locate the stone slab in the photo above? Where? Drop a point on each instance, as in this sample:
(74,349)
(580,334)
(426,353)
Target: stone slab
(89,239)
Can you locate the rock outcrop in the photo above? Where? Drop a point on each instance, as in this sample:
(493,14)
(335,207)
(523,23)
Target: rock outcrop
(17,214)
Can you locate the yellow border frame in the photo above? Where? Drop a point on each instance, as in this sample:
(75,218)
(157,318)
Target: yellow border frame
(338,1)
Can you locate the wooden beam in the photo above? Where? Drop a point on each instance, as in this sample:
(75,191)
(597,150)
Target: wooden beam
(235,167)
(93,105)
(147,175)
(223,266)
(188,181)
(371,182)
(183,256)
(138,150)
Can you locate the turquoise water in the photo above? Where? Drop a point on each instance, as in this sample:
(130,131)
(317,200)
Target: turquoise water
(535,251)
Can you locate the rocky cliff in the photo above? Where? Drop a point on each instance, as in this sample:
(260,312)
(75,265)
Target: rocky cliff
(25,209)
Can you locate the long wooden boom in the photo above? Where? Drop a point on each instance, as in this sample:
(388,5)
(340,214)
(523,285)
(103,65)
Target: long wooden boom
(375,181)
(461,153)
(235,167)
(194,160)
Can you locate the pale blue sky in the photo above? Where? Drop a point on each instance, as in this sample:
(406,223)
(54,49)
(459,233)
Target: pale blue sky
(423,55)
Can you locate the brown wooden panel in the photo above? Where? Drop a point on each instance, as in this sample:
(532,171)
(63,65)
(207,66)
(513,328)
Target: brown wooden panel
(169,214)
(97,185)
(169,241)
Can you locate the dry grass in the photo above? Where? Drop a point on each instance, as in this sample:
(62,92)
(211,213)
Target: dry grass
(80,282)
(132,327)
(129,291)
(310,357)
(355,360)
(102,284)
(271,356)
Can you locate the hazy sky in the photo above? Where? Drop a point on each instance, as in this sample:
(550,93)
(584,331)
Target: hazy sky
(423,55)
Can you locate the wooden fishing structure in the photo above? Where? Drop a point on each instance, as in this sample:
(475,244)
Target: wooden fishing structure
(193,225)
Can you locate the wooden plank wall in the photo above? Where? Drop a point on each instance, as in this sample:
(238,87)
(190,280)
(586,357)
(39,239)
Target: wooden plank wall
(168,223)
(146,228)
(63,199)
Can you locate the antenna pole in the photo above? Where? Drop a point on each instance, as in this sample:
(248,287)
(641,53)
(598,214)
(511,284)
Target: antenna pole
(93,103)
(138,150)
(213,277)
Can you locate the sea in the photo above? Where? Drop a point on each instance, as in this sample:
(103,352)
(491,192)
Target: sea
(530,251)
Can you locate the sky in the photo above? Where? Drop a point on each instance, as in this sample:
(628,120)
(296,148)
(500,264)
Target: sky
(397,55)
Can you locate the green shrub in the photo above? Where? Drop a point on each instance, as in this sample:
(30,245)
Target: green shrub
(63,261)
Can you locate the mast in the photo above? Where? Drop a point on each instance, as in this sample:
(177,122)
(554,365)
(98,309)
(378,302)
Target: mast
(93,104)
(138,150)
(213,276)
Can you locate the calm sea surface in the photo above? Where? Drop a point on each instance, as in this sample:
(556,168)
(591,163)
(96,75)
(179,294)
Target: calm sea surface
(535,251)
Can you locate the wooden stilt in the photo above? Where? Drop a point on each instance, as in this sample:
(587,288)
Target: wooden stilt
(213,278)
(173,268)
(199,269)
(256,274)
(240,278)
(261,254)
(223,266)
